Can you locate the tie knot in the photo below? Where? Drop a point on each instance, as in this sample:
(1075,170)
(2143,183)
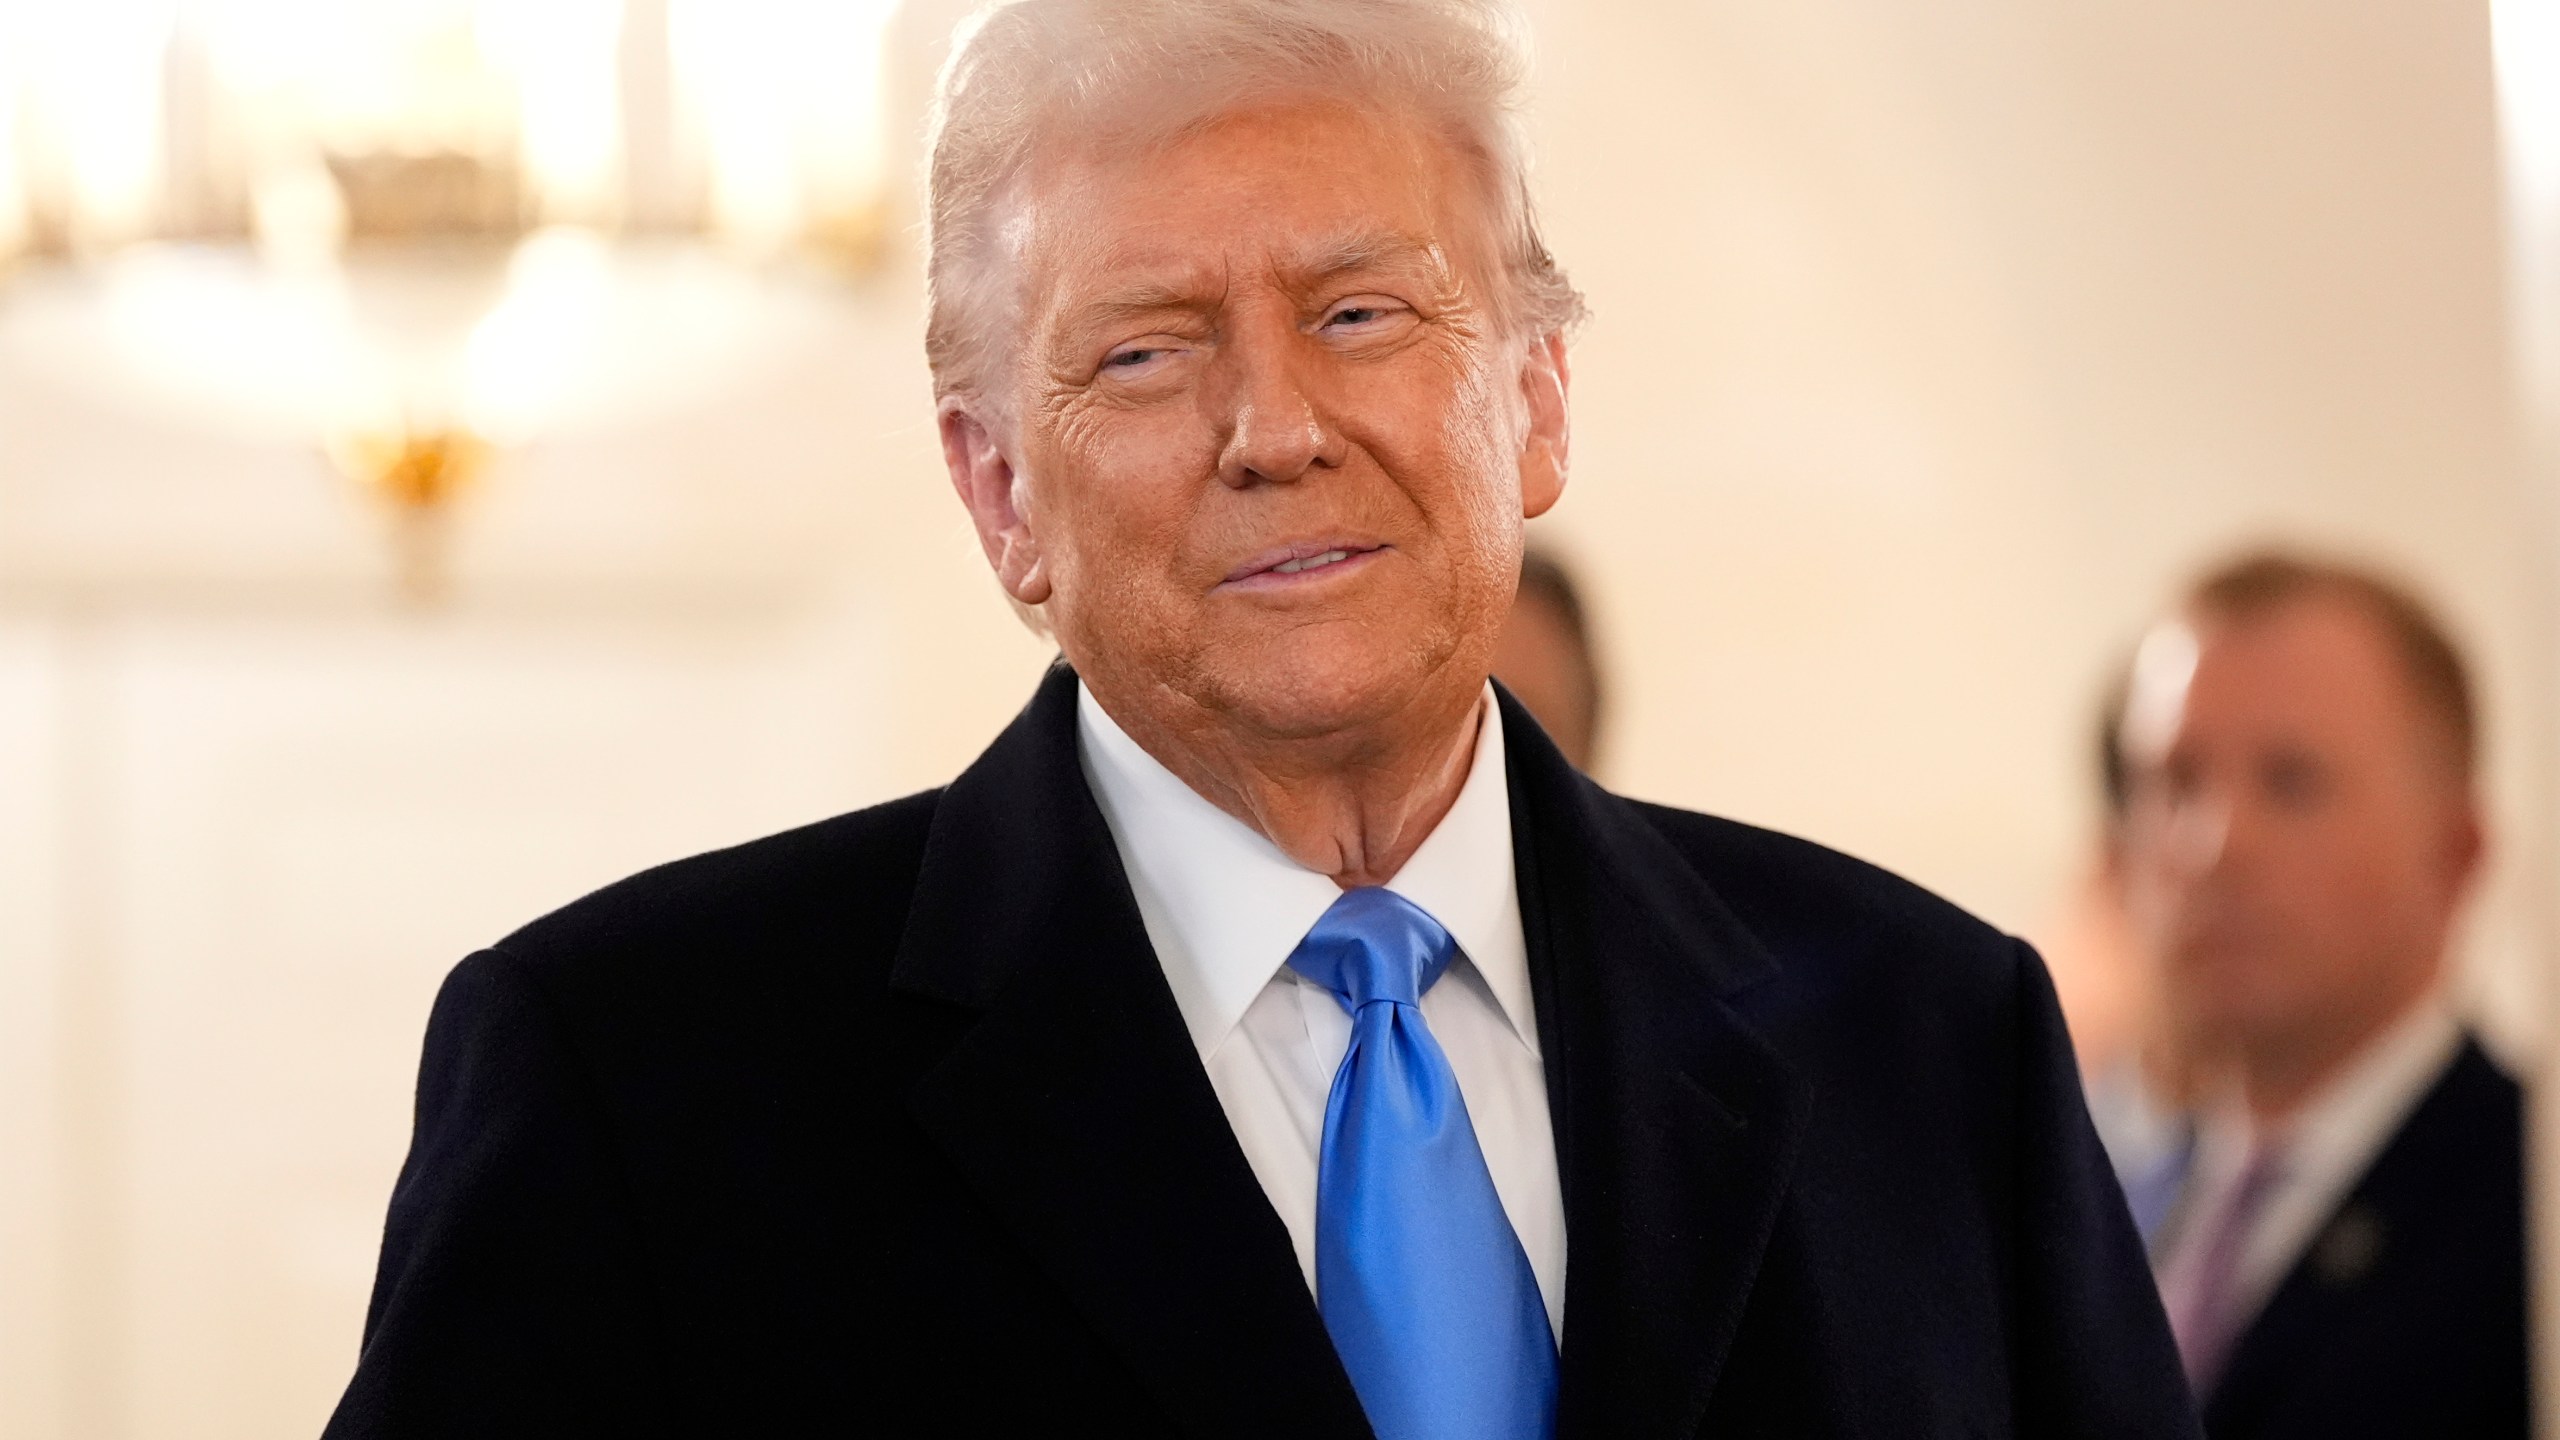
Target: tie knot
(2265,1167)
(1373,944)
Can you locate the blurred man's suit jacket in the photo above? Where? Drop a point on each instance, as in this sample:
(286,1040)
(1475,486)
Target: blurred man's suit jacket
(2405,1315)
(890,1125)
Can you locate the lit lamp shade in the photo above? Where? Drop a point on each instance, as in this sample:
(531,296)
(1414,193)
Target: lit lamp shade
(418,234)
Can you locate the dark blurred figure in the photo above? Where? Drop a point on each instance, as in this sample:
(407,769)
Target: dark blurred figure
(2330,1173)
(1546,660)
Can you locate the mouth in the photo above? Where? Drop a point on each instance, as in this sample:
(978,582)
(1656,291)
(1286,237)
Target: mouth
(1304,561)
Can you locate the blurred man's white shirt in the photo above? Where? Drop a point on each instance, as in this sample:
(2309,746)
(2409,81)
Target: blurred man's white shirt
(2327,1147)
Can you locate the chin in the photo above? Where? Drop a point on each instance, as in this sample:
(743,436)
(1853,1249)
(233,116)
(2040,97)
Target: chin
(2249,1011)
(1309,683)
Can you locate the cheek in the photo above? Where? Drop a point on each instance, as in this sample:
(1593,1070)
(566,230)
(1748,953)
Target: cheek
(2392,885)
(2352,858)
(1117,485)
(1443,433)
(2153,896)
(2344,900)
(1485,423)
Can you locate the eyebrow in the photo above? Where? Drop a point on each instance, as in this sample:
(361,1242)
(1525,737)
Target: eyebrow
(1144,297)
(1326,260)
(1364,250)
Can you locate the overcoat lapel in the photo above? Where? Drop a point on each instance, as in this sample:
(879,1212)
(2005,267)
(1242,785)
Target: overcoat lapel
(1675,1123)
(1077,1105)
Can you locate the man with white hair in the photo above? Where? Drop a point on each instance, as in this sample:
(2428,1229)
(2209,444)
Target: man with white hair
(1271,1034)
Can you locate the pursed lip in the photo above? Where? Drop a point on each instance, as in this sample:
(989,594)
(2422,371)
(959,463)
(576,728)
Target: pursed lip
(1266,564)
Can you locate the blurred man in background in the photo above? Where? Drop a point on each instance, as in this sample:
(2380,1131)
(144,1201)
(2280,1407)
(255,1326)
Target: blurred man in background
(2334,1199)
(1545,659)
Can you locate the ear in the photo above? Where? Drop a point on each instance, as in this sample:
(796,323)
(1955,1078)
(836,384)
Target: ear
(988,485)
(2466,844)
(1544,378)
(2112,857)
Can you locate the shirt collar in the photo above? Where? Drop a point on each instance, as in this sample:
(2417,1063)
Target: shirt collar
(2349,1121)
(1224,907)
(2339,1132)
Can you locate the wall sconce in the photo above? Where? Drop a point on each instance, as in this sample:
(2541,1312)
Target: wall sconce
(416,476)
(420,210)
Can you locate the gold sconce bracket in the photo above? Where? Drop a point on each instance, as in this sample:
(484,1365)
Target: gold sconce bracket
(416,476)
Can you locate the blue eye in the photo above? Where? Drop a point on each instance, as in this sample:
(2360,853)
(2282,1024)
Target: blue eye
(1127,358)
(1357,314)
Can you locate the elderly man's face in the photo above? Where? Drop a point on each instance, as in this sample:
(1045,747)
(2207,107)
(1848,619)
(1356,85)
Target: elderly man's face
(1270,446)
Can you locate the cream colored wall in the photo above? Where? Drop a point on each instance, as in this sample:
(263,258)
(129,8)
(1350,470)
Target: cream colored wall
(1930,344)
(1934,343)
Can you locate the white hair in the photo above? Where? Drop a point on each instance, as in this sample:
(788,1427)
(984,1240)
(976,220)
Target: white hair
(1143,71)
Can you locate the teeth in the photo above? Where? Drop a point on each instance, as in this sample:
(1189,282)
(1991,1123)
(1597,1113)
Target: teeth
(1292,567)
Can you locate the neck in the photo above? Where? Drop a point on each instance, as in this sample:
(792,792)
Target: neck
(1353,806)
(2279,1081)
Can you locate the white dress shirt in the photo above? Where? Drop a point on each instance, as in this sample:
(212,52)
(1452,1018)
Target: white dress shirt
(1225,908)
(2326,1148)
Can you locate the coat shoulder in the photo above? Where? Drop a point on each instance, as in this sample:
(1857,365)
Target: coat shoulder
(1859,949)
(839,883)
(1828,916)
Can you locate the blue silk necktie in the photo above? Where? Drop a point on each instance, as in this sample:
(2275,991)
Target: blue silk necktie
(1421,1280)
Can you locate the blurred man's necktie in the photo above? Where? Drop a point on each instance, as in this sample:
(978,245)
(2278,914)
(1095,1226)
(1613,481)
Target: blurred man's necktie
(2206,1316)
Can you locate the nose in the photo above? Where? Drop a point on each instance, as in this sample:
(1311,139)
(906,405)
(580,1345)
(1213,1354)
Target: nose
(2200,834)
(1276,433)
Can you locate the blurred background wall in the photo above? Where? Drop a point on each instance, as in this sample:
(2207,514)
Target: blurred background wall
(1931,346)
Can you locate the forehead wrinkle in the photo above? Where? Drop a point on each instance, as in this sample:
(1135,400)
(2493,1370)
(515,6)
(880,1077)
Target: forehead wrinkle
(1075,322)
(1302,267)
(1353,251)
(1205,289)
(1141,298)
